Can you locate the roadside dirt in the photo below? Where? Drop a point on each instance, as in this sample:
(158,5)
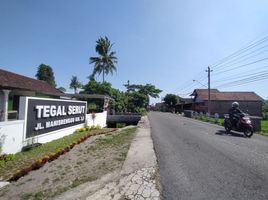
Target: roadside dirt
(86,162)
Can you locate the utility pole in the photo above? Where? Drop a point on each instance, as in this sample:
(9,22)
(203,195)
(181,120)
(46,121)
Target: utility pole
(128,86)
(128,95)
(208,71)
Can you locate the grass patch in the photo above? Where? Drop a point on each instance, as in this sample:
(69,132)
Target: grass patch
(264,126)
(110,141)
(111,150)
(25,159)
(120,125)
(36,196)
(114,140)
(79,181)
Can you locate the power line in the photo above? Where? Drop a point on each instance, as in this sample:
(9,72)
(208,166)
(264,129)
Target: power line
(189,83)
(236,56)
(242,75)
(231,61)
(247,64)
(240,51)
(242,83)
(245,80)
(185,94)
(238,84)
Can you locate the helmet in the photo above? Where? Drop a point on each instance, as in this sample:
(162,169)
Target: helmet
(235,105)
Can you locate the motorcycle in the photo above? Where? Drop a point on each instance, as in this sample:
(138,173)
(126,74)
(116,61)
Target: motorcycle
(243,124)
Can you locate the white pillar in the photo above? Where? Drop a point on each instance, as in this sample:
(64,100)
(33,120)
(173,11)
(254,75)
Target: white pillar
(6,93)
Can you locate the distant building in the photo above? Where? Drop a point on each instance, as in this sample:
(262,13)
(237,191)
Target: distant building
(160,107)
(184,104)
(220,102)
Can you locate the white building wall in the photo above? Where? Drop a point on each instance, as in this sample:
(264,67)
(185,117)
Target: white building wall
(11,136)
(22,108)
(2,106)
(44,138)
(100,119)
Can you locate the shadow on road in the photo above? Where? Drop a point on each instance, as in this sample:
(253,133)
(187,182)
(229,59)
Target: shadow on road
(232,133)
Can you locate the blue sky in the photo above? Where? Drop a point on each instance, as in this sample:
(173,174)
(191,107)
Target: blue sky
(166,43)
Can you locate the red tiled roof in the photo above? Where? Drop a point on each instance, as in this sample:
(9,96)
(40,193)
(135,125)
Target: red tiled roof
(10,80)
(227,96)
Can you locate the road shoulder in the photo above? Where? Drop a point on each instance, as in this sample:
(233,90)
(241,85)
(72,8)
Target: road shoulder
(138,178)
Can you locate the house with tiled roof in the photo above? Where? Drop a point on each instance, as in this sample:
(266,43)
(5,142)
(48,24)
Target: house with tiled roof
(13,86)
(32,111)
(13,81)
(220,102)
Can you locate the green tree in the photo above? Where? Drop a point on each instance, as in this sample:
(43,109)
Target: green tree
(119,97)
(171,100)
(120,100)
(94,87)
(45,73)
(148,90)
(61,89)
(75,84)
(265,109)
(137,102)
(105,62)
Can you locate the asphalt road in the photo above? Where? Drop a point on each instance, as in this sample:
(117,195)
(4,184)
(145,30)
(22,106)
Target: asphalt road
(198,160)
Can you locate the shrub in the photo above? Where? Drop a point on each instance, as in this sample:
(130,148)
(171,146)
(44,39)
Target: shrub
(81,129)
(45,159)
(67,149)
(120,125)
(37,164)
(72,145)
(52,157)
(20,173)
(98,127)
(6,157)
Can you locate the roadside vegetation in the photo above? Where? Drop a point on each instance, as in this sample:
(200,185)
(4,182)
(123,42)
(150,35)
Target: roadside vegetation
(264,123)
(86,162)
(264,127)
(25,159)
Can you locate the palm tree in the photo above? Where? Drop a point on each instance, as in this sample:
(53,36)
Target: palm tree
(105,63)
(75,84)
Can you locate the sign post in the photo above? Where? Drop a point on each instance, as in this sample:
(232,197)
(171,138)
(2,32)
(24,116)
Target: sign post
(47,115)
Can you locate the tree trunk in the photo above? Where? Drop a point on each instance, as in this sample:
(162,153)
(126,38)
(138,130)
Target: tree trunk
(103,76)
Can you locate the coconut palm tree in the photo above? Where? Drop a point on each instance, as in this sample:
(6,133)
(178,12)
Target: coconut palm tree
(75,84)
(105,62)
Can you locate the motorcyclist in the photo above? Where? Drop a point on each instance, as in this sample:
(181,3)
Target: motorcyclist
(235,113)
